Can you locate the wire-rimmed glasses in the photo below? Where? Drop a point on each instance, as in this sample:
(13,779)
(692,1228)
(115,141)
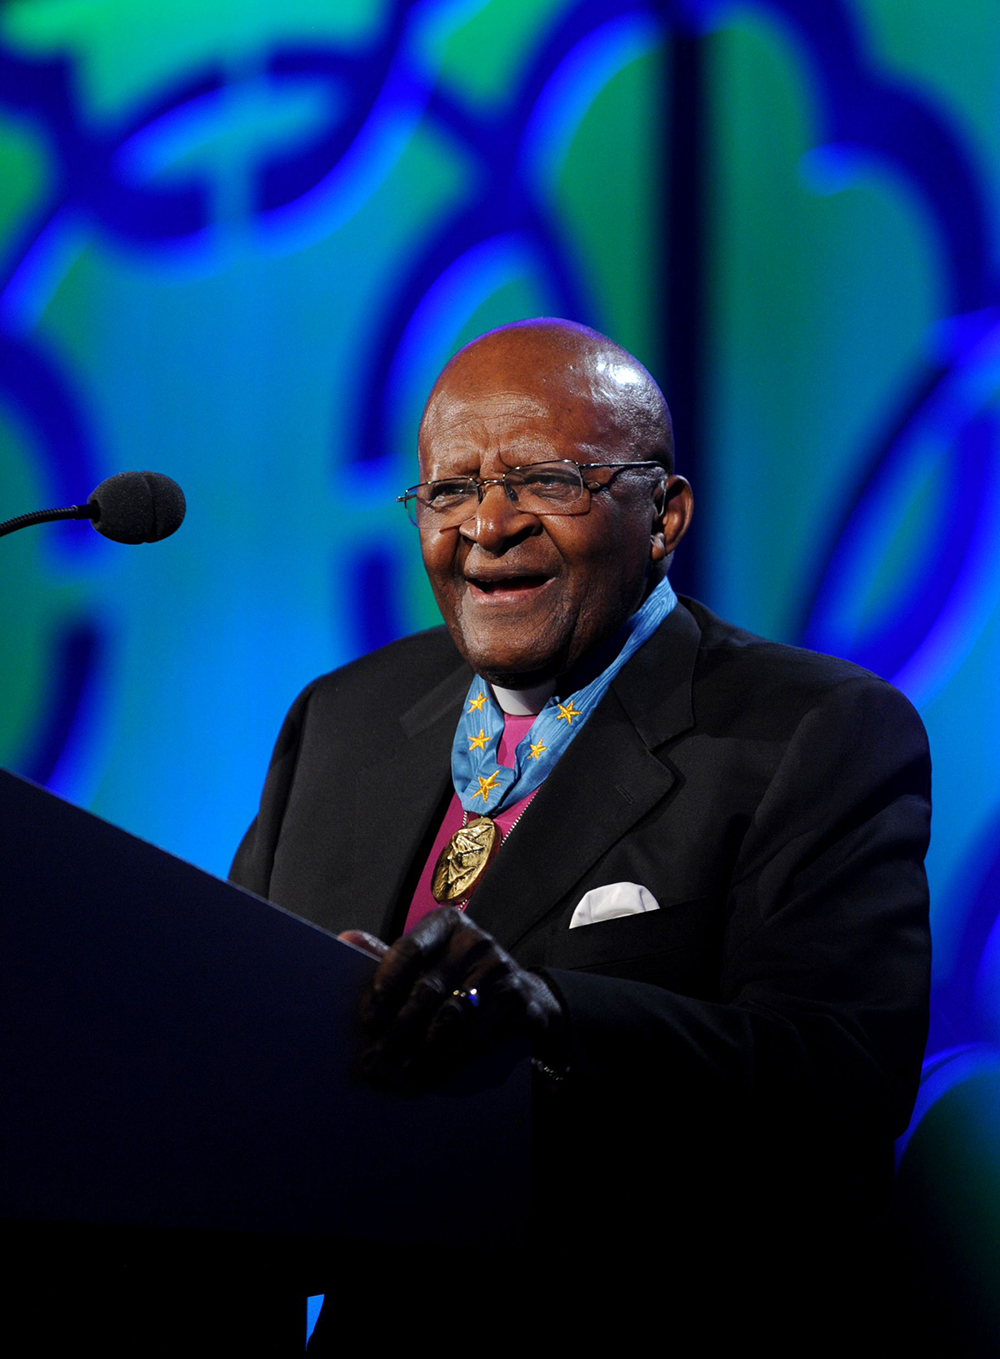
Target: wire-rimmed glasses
(540,488)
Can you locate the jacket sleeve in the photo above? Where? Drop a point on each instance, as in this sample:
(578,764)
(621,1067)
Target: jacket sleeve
(252,864)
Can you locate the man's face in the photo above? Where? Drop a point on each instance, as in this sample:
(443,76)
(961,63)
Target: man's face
(525,596)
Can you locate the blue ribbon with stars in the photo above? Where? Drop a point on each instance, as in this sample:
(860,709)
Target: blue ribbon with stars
(485,786)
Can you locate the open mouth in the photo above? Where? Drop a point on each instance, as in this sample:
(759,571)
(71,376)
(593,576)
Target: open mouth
(507,586)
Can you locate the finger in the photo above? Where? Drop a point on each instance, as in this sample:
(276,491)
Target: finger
(490,1007)
(512,1004)
(404,1031)
(405,962)
(431,991)
(477,1010)
(364,941)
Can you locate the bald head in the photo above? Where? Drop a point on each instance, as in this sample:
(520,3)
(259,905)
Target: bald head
(573,368)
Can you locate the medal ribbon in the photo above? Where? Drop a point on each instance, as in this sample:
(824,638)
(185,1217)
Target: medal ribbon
(485,786)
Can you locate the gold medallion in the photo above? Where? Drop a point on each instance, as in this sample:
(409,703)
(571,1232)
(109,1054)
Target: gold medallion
(463,859)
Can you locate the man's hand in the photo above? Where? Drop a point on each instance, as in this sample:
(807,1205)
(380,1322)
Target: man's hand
(445,993)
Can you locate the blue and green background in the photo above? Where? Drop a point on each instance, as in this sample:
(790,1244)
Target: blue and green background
(238,240)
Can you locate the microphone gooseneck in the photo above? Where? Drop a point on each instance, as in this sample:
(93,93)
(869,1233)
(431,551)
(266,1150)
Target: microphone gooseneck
(44,517)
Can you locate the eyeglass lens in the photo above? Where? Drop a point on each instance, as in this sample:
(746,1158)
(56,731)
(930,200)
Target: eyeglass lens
(543,488)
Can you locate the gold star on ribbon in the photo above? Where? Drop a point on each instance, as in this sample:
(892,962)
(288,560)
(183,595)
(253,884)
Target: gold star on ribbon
(486,786)
(567,711)
(536,749)
(478,742)
(476,704)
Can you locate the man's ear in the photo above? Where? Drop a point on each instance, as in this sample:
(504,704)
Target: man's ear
(673,505)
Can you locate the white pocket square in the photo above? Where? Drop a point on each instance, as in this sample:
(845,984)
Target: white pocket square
(606,903)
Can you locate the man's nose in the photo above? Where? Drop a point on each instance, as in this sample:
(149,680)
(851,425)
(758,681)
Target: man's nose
(497,519)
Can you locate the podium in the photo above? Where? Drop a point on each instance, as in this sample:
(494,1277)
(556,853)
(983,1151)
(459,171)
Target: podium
(178,1088)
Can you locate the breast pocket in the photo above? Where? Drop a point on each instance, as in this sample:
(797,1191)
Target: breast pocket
(677,946)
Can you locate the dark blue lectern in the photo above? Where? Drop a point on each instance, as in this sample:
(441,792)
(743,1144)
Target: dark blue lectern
(180,1116)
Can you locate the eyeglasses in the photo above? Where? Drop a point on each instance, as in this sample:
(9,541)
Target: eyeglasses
(541,488)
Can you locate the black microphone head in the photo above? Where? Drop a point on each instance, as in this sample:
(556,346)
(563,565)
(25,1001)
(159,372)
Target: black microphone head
(138,507)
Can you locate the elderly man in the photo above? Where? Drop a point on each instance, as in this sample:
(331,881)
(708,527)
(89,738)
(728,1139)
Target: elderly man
(684,862)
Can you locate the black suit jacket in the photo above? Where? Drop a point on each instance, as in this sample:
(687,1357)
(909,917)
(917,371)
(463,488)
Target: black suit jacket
(749,1050)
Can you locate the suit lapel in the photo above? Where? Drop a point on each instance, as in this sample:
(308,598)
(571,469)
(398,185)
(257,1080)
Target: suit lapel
(607,780)
(415,778)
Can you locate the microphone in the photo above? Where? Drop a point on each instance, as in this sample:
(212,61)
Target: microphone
(130,507)
(137,507)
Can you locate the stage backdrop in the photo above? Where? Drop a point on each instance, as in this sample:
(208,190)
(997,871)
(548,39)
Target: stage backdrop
(238,240)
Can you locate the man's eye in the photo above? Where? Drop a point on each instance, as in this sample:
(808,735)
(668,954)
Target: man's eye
(441,494)
(554,480)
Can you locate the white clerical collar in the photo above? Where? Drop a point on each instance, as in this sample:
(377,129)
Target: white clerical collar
(524,702)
